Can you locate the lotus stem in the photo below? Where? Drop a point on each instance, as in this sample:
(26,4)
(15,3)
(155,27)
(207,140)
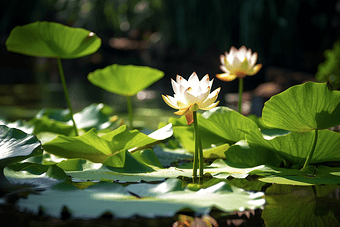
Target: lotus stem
(61,73)
(198,149)
(311,152)
(201,161)
(130,112)
(240,91)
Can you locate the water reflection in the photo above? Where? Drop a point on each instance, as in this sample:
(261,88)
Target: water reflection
(289,205)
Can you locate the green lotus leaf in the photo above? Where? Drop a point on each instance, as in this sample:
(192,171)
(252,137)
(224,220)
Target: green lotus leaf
(59,120)
(94,116)
(73,164)
(301,206)
(216,152)
(53,40)
(242,154)
(42,178)
(18,124)
(164,199)
(227,123)
(185,136)
(96,148)
(277,175)
(16,145)
(44,124)
(216,126)
(125,80)
(219,169)
(295,146)
(124,162)
(303,108)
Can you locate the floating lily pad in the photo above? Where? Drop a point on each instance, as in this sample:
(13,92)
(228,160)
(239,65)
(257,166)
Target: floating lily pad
(125,80)
(303,108)
(218,169)
(164,199)
(49,39)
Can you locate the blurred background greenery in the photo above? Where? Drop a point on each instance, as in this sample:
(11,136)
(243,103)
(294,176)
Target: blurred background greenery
(175,36)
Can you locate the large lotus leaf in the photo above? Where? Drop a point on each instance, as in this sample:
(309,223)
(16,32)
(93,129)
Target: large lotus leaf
(125,80)
(165,199)
(139,170)
(227,123)
(216,126)
(243,154)
(295,146)
(185,136)
(218,169)
(49,39)
(96,148)
(303,108)
(300,206)
(15,145)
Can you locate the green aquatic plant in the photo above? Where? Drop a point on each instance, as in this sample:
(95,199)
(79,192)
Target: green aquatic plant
(53,40)
(126,80)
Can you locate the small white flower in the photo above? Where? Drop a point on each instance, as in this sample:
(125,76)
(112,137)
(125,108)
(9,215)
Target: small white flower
(192,95)
(238,63)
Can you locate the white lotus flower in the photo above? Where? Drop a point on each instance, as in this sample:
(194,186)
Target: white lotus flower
(192,95)
(238,63)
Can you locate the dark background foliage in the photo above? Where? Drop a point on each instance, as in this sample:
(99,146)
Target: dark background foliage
(177,37)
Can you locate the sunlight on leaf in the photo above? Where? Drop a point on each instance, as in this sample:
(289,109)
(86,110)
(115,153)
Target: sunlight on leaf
(109,146)
(49,39)
(125,80)
(164,199)
(303,108)
(295,146)
(15,145)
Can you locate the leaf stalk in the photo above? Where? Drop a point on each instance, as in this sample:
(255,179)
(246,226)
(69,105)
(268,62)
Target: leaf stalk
(311,152)
(198,156)
(240,91)
(130,111)
(63,81)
